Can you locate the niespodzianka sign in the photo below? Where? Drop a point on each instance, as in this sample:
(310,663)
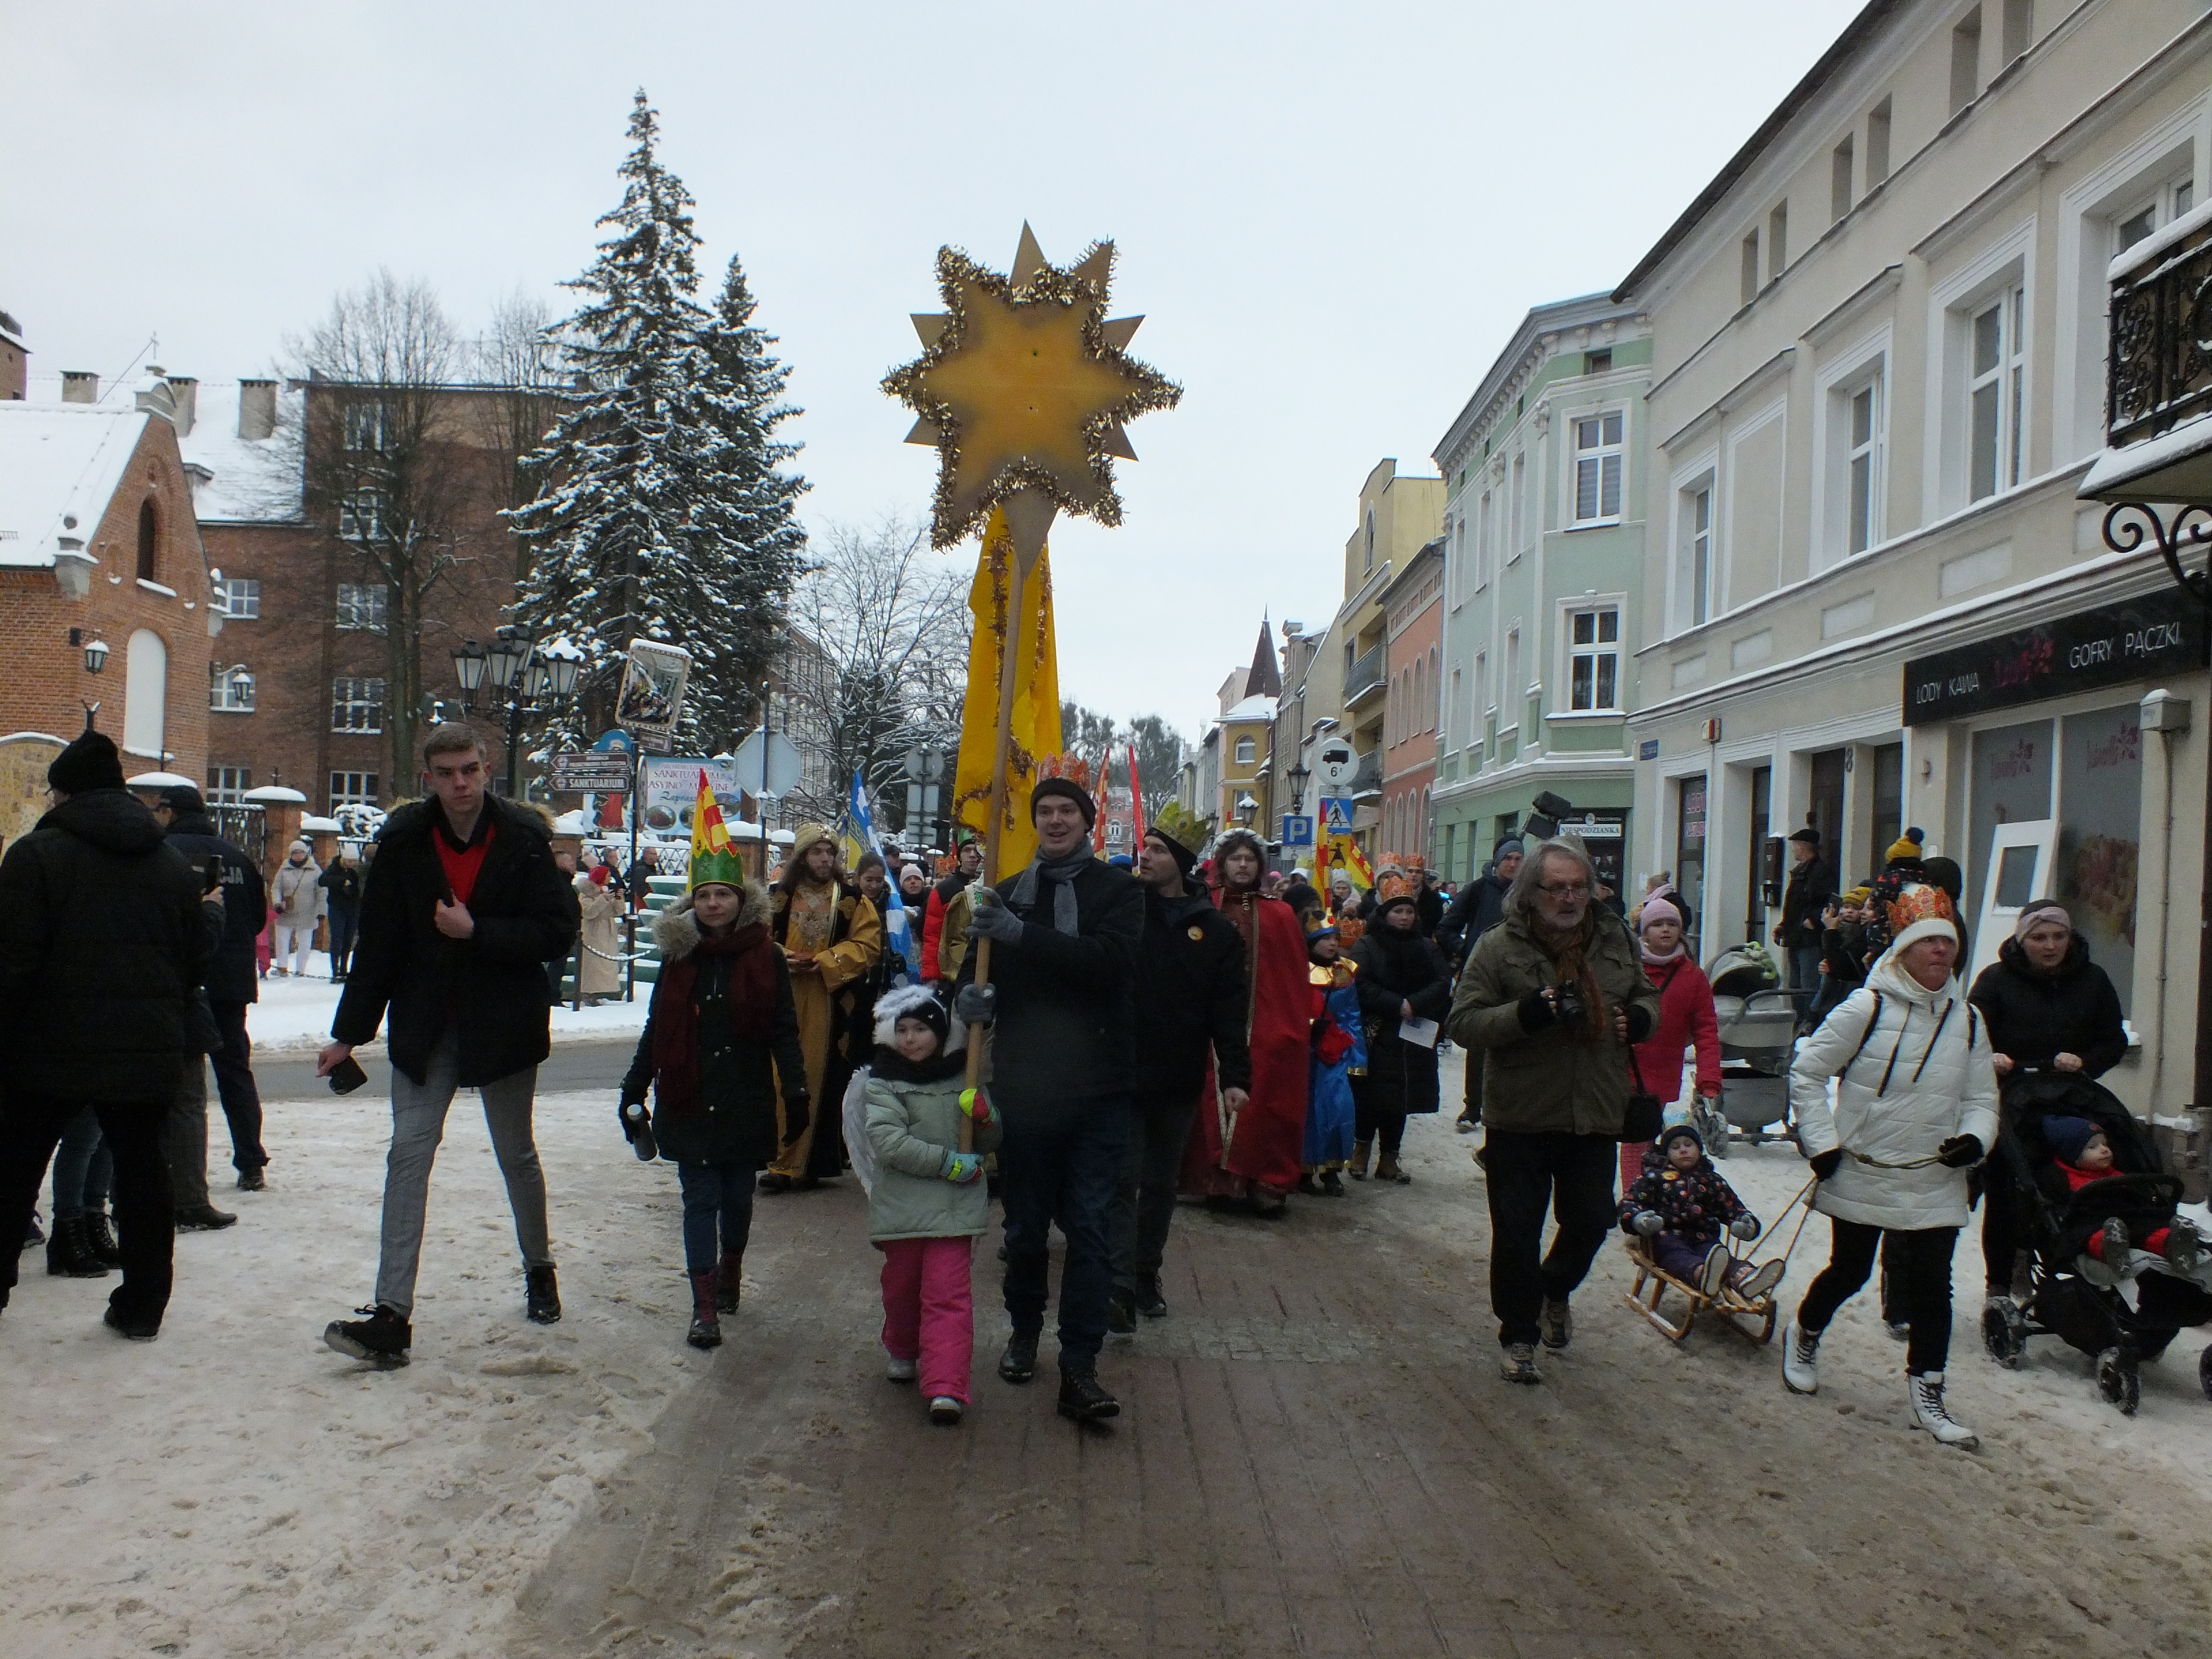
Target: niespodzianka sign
(2161,633)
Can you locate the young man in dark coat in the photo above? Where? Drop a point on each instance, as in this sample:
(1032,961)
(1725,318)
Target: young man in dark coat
(1191,1014)
(234,978)
(103,941)
(1065,934)
(463,907)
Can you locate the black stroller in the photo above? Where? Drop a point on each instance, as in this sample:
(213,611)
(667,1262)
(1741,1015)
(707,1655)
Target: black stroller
(2072,1298)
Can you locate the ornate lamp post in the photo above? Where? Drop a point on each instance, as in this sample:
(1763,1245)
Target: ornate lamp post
(528,677)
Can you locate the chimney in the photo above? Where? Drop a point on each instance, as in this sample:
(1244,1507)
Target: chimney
(257,409)
(185,389)
(80,386)
(14,366)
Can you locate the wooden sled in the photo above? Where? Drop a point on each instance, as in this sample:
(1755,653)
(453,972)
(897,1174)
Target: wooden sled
(1734,1310)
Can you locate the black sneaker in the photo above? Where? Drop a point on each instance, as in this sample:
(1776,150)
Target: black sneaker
(1122,1312)
(542,1297)
(1083,1400)
(138,1327)
(1019,1363)
(204,1218)
(252,1181)
(1150,1302)
(382,1339)
(33,1237)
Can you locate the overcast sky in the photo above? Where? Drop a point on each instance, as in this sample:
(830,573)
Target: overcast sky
(1332,216)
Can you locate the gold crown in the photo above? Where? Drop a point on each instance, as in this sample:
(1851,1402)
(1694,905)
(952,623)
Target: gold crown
(1395,886)
(1923,902)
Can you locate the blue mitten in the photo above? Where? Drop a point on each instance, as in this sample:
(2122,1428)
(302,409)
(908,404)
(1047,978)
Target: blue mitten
(961,1168)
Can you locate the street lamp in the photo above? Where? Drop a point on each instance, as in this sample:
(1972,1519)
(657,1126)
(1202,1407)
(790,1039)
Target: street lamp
(468,669)
(527,677)
(1246,807)
(1298,774)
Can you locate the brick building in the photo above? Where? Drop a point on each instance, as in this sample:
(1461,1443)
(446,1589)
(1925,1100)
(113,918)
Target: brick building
(104,592)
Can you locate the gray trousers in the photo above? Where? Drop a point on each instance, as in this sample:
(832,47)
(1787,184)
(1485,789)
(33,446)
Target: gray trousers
(418,1123)
(188,1179)
(1145,1193)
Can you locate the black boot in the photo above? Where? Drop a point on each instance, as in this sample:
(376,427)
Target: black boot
(706,1330)
(382,1339)
(1019,1363)
(1150,1302)
(1082,1400)
(101,1235)
(69,1254)
(728,1281)
(204,1218)
(542,1297)
(1122,1312)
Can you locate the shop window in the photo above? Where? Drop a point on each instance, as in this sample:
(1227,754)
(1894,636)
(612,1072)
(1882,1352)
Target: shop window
(2011,784)
(1690,852)
(1597,467)
(2099,820)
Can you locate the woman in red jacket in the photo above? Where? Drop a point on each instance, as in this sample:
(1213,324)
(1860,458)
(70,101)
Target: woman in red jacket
(1685,1018)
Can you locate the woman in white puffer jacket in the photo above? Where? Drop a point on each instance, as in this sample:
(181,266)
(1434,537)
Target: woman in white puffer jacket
(1915,1108)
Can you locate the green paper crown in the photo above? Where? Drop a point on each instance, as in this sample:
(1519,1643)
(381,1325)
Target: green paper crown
(723,866)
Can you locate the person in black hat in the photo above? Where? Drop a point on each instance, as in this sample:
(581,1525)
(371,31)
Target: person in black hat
(234,982)
(103,941)
(1064,939)
(1190,1015)
(1811,883)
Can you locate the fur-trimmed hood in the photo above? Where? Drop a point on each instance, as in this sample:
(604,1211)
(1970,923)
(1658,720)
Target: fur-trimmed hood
(893,1003)
(676,931)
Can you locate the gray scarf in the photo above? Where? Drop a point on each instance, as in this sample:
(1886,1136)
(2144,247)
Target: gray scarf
(1061,873)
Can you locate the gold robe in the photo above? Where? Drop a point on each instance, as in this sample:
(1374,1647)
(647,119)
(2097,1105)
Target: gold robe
(844,935)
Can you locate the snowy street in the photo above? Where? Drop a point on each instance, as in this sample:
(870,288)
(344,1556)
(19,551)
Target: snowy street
(294,1016)
(1316,1454)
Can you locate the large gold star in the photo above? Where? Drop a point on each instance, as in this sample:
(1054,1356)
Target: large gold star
(1023,386)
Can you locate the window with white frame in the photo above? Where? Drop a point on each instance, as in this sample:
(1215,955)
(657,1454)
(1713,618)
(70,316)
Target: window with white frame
(227,785)
(1694,585)
(357,705)
(242,598)
(352,789)
(1855,418)
(1247,750)
(361,605)
(1594,659)
(1597,467)
(1862,476)
(364,426)
(2166,203)
(1996,393)
(1508,695)
(361,514)
(1459,585)
(1485,541)
(230,690)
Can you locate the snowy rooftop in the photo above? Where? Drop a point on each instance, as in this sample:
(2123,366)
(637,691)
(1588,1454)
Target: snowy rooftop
(1253,708)
(59,466)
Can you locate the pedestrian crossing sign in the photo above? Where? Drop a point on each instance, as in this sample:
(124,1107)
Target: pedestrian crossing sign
(1336,815)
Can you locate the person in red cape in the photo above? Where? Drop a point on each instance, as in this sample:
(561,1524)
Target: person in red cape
(1256,1156)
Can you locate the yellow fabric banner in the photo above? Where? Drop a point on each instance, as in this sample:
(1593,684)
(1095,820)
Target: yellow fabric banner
(1035,727)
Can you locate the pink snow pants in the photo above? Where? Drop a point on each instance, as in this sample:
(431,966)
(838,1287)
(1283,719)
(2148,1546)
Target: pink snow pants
(929,1314)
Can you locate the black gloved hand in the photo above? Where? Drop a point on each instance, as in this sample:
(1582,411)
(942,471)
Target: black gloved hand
(1960,1152)
(630,1114)
(1537,1012)
(795,1119)
(1639,1021)
(1824,1164)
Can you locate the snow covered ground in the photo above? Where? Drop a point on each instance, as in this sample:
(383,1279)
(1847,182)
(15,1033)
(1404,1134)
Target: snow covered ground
(295,1015)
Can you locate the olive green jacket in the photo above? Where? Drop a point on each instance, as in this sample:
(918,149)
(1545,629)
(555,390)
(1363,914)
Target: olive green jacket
(1555,1080)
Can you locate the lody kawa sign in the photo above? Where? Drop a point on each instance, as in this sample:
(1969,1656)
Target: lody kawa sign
(2140,639)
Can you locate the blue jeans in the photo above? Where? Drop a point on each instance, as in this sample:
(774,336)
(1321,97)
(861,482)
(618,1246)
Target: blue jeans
(84,1170)
(718,1212)
(1061,1163)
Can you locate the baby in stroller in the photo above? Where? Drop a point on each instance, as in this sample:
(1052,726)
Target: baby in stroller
(2118,1272)
(1680,1205)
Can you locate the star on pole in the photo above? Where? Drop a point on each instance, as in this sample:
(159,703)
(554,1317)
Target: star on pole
(1024,388)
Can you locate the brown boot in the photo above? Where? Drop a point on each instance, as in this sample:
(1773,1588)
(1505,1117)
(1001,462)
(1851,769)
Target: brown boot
(1361,1151)
(1385,1168)
(725,1281)
(706,1330)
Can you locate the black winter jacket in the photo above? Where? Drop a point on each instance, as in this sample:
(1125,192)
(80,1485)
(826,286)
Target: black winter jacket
(342,882)
(1810,886)
(492,984)
(1191,1000)
(2035,1016)
(1479,907)
(1067,1019)
(103,943)
(234,975)
(1394,969)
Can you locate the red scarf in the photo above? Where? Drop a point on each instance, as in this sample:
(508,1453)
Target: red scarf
(675,1027)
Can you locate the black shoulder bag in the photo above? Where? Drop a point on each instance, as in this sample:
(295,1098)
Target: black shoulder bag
(1645,1115)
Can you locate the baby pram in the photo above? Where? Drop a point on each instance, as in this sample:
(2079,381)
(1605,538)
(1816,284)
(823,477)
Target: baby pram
(2118,1319)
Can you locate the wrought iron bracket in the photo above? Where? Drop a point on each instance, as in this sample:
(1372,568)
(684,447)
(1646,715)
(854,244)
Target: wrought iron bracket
(2191,526)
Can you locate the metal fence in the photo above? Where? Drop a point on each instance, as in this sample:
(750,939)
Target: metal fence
(244,825)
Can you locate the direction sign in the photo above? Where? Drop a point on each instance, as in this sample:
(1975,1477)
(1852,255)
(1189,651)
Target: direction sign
(589,772)
(784,765)
(1336,815)
(1298,831)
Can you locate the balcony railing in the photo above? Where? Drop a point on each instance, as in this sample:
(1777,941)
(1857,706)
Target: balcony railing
(2161,337)
(1368,780)
(1365,672)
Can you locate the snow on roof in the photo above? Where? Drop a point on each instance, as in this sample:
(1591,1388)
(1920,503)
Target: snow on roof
(60,464)
(256,480)
(1253,708)
(161,781)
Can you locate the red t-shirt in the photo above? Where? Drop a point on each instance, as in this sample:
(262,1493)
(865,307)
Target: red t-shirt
(462,864)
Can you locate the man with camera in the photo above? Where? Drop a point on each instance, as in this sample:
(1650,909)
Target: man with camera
(1550,1000)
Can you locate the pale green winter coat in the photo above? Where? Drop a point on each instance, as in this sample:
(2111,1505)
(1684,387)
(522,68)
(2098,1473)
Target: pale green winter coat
(912,1126)
(1556,1080)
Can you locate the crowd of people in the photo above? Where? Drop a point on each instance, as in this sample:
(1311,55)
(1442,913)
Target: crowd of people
(1157,1029)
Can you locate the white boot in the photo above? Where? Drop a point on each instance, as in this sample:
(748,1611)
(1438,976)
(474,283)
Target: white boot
(1801,1359)
(1929,1412)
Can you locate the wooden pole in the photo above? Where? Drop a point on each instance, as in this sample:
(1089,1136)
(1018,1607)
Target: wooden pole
(1010,654)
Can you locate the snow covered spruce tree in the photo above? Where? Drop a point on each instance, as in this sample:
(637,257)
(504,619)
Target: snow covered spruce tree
(661,509)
